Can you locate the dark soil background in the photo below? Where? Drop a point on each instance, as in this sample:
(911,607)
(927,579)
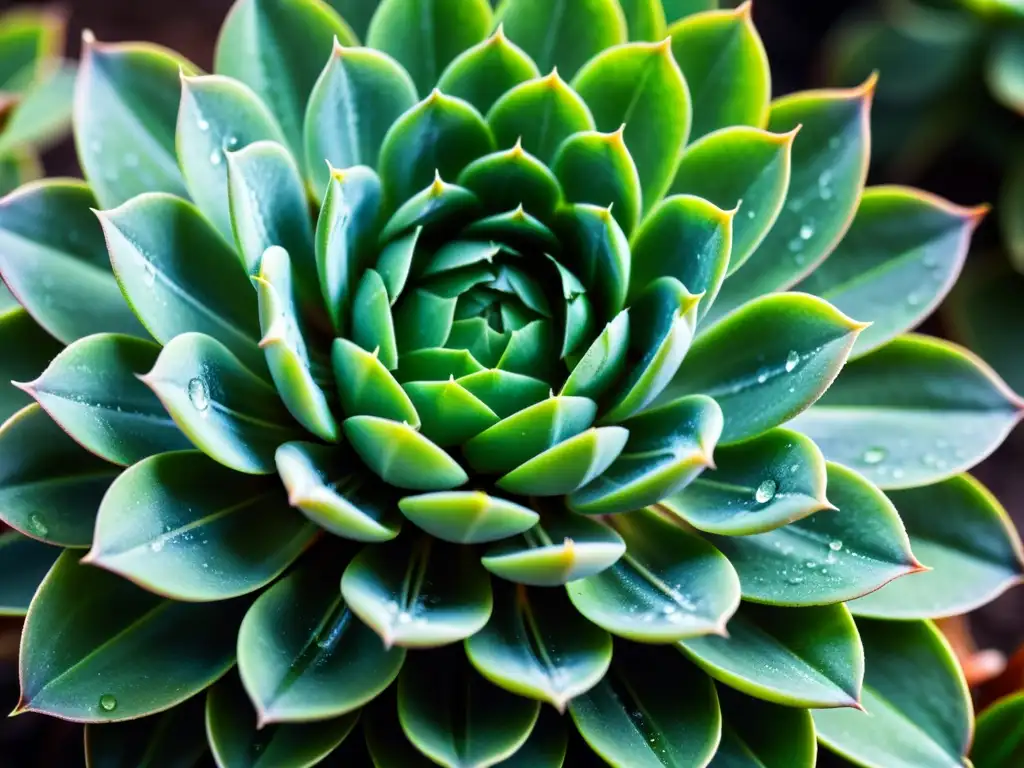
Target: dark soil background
(793,32)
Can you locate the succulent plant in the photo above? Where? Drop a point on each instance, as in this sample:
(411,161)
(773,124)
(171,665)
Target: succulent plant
(456,387)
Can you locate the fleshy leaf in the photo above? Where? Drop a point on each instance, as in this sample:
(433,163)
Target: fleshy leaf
(830,557)
(798,657)
(972,549)
(999,735)
(126,108)
(639,85)
(751,731)
(401,456)
(767,362)
(901,256)
(603,363)
(373,327)
(636,717)
(418,592)
(92,390)
(510,178)
(451,414)
(756,486)
(669,585)
(537,645)
(568,466)
(99,649)
(257,45)
(597,252)
(467,517)
(61,274)
(917,709)
(227,411)
(483,73)
(23,564)
(177,735)
(645,19)
(366,387)
(185,527)
(50,487)
(914,412)
(28,349)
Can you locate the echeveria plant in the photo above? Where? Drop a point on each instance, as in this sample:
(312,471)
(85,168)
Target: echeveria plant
(471,399)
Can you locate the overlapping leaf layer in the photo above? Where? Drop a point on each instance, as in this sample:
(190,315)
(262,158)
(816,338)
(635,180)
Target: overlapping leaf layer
(472,399)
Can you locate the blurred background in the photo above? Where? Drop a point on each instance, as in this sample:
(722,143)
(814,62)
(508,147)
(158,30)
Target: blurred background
(946,118)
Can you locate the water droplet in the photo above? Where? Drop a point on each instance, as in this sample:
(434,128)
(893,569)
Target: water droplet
(794,580)
(897,473)
(825,185)
(913,299)
(37,525)
(750,213)
(792,360)
(107,702)
(836,545)
(806,232)
(811,564)
(794,468)
(148,274)
(762,377)
(198,394)
(204,125)
(929,459)
(404,618)
(874,455)
(765,491)
(215,157)
(668,610)
(795,245)
(157,545)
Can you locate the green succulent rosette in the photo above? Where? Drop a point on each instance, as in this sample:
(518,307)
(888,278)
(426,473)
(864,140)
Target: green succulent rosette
(488,396)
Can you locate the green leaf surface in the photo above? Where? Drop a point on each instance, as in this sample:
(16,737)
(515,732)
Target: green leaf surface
(152,241)
(829,557)
(401,456)
(640,86)
(669,585)
(756,486)
(359,95)
(914,412)
(603,363)
(999,734)
(802,657)
(568,466)
(467,517)
(483,73)
(972,549)
(187,528)
(126,108)
(636,716)
(43,113)
(257,45)
(302,653)
(901,256)
(61,274)
(450,413)
(178,736)
(91,389)
(726,68)
(537,645)
(917,706)
(645,19)
(510,178)
(237,741)
(455,717)
(418,592)
(28,349)
(23,564)
(367,388)
(99,649)
(756,734)
(546,746)
(767,362)
(560,34)
(597,252)
(425,35)
(50,487)
(739,166)
(218,115)
(828,169)
(227,411)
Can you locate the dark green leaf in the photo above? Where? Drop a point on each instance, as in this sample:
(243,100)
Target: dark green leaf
(23,564)
(366,387)
(510,178)
(603,362)
(28,349)
(596,168)
(678,9)
(401,456)
(373,328)
(451,414)
(467,517)
(483,73)
(177,737)
(597,252)
(999,734)
(645,19)
(756,734)
(546,747)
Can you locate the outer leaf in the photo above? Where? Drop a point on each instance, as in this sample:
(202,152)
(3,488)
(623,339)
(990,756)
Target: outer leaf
(886,416)
(217,115)
(645,19)
(92,391)
(826,558)
(669,585)
(185,527)
(678,9)
(546,746)
(559,34)
(455,717)
(401,456)
(28,349)
(61,274)
(635,717)
(972,550)
(537,646)
(418,592)
(177,736)
(467,517)
(829,166)
(23,564)
(756,486)
(258,45)
(768,362)
(901,256)
(640,86)
(366,387)
(237,742)
(744,167)
(999,738)
(726,67)
(917,707)
(153,240)
(491,68)
(99,649)
(50,487)
(359,95)
(228,412)
(126,108)
(751,731)
(425,35)
(385,740)
(804,657)
(304,656)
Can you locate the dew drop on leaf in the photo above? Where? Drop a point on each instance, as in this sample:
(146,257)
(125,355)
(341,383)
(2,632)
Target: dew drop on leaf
(765,491)
(874,455)
(215,157)
(108,703)
(792,360)
(35,522)
(836,545)
(203,125)
(806,232)
(198,394)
